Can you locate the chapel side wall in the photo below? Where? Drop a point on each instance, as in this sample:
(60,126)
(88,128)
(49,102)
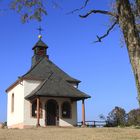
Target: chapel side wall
(15,118)
(29,86)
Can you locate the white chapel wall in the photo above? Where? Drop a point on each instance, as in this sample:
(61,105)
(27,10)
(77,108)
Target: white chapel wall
(15,117)
(29,86)
(22,107)
(29,120)
(62,122)
(71,121)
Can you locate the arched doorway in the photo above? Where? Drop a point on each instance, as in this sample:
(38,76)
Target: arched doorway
(52,112)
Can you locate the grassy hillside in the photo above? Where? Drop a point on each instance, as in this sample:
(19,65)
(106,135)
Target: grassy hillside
(70,134)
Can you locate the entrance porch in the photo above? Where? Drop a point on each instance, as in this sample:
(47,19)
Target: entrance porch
(47,111)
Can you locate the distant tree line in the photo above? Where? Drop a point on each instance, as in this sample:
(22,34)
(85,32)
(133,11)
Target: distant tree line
(119,117)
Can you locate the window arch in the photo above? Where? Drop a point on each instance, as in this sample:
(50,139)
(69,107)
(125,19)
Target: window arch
(66,110)
(34,109)
(12,102)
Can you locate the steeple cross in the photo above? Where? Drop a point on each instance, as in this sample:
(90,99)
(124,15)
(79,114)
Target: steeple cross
(40,30)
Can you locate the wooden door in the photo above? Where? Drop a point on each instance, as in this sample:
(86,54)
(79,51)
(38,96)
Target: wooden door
(51,112)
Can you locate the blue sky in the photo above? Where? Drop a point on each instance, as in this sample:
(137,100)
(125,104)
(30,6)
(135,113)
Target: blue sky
(103,68)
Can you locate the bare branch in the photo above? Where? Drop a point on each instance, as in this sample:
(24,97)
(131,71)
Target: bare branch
(56,5)
(85,4)
(138,6)
(99,12)
(107,33)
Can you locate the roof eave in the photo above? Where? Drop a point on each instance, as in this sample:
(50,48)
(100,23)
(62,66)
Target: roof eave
(12,85)
(19,80)
(72,98)
(74,81)
(40,46)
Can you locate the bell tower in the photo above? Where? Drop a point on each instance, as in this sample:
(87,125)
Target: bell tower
(40,50)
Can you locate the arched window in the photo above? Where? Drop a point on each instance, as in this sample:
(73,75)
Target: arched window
(12,103)
(34,109)
(66,110)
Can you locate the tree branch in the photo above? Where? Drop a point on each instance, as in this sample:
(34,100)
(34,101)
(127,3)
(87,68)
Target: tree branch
(85,4)
(138,27)
(100,12)
(107,33)
(138,6)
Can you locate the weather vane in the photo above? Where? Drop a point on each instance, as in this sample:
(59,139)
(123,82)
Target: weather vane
(40,32)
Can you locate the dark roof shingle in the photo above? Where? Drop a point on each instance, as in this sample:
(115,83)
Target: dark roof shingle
(44,67)
(40,43)
(55,86)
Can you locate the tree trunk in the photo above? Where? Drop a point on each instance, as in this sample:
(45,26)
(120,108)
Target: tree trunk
(131,36)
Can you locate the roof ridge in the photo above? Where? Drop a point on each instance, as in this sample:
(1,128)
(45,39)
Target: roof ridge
(45,81)
(63,71)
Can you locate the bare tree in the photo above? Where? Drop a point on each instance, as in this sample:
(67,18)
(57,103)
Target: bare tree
(127,16)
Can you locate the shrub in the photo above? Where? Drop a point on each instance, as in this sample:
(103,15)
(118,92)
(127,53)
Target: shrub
(133,117)
(117,117)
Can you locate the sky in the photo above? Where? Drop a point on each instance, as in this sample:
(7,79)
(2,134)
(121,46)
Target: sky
(104,68)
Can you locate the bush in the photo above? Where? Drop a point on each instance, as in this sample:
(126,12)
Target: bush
(117,117)
(133,117)
(3,125)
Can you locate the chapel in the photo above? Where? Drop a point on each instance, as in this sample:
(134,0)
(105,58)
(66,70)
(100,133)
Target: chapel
(45,95)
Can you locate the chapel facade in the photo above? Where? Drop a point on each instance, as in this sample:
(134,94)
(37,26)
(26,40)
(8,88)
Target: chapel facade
(44,96)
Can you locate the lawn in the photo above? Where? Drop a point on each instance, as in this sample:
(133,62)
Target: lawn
(53,133)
